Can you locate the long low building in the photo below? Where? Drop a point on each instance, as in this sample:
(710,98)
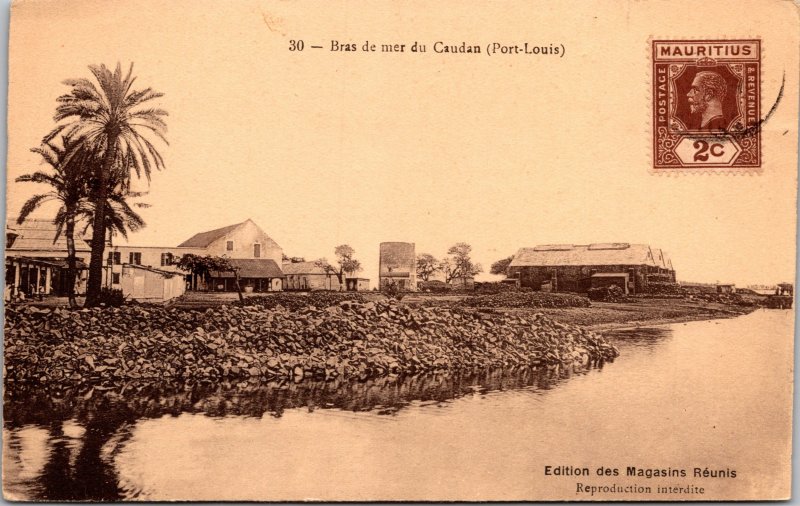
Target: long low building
(36,261)
(577,268)
(309,276)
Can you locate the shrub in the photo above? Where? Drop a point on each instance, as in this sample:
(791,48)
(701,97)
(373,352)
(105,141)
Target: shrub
(111,297)
(664,288)
(434,286)
(525,300)
(392,290)
(611,293)
(493,287)
(299,301)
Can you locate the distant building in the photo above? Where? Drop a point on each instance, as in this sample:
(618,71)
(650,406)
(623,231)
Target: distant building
(398,264)
(459,283)
(34,259)
(242,240)
(147,284)
(357,284)
(576,268)
(249,248)
(255,275)
(309,276)
(726,288)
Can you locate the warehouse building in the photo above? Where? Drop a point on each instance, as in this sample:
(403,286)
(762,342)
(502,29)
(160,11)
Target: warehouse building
(577,268)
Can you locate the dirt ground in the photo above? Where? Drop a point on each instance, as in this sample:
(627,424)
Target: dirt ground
(605,315)
(600,316)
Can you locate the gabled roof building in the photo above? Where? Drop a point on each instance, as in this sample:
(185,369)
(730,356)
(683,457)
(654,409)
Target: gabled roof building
(255,254)
(576,268)
(309,276)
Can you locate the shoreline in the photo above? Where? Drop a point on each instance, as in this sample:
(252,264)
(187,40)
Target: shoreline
(602,327)
(322,336)
(602,317)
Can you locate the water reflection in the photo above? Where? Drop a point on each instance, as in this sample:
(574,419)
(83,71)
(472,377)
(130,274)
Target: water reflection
(677,395)
(647,338)
(62,445)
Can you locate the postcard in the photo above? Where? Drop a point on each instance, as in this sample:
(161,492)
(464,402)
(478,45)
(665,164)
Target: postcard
(273,250)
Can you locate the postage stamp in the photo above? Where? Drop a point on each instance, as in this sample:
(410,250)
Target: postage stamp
(706,104)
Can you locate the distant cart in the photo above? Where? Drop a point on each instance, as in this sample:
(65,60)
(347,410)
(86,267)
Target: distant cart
(779,302)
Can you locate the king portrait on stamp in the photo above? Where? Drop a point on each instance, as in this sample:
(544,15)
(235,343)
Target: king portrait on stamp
(705,100)
(706,104)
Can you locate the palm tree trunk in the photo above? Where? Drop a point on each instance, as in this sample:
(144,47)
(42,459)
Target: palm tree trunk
(71,263)
(95,284)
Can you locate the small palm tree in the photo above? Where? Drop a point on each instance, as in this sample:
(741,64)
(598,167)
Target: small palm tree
(119,214)
(115,126)
(68,187)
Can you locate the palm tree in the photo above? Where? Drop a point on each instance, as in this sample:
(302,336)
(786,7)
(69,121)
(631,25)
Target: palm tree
(67,186)
(119,215)
(113,124)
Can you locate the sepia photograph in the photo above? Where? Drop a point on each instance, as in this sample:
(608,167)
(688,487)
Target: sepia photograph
(282,250)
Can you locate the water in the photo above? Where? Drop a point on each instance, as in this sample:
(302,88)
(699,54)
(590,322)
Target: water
(715,393)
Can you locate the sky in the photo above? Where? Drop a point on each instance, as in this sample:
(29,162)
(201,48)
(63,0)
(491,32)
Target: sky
(323,148)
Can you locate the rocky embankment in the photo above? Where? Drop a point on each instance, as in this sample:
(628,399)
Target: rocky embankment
(348,339)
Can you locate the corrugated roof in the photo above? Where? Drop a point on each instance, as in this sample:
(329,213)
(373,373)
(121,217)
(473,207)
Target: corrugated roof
(59,262)
(660,257)
(162,272)
(36,234)
(591,254)
(296,268)
(252,268)
(204,239)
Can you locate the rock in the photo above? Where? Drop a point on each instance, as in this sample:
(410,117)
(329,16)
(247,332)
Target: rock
(282,336)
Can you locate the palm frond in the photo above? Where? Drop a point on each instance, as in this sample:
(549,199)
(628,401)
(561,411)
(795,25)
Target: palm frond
(40,177)
(32,204)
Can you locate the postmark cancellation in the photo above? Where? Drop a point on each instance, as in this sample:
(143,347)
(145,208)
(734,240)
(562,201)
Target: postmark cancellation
(706,104)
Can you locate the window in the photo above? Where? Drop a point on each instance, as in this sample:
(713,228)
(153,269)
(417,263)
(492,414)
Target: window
(229,245)
(114,258)
(135,258)
(256,250)
(166,259)
(115,278)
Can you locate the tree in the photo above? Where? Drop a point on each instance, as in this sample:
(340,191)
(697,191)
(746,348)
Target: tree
(347,264)
(327,268)
(447,268)
(501,266)
(203,266)
(68,187)
(461,264)
(114,125)
(119,215)
(427,266)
